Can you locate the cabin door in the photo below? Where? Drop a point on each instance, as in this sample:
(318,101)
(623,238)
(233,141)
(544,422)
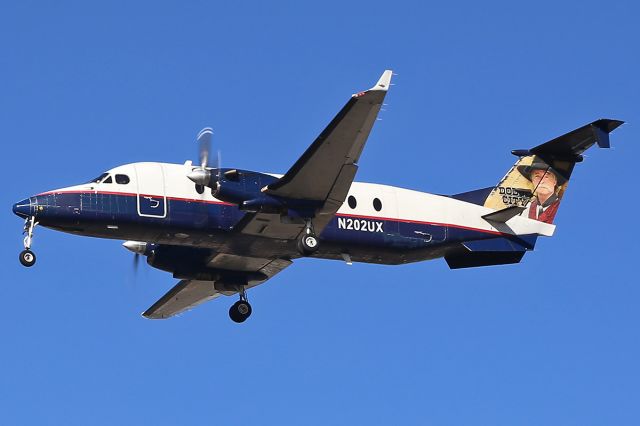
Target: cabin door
(151,199)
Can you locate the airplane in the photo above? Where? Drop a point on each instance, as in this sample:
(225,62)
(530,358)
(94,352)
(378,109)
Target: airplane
(222,231)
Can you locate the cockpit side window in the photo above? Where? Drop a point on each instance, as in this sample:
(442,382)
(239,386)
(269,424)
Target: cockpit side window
(122,179)
(108,180)
(99,178)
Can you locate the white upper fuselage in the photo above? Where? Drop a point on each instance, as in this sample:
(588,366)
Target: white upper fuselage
(405,205)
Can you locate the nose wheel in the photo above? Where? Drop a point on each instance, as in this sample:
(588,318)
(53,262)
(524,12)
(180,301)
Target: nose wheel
(241,310)
(27,257)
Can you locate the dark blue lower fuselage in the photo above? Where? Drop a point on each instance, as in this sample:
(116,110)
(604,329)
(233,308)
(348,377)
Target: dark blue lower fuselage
(189,222)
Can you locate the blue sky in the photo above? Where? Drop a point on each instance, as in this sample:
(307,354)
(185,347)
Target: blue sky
(553,340)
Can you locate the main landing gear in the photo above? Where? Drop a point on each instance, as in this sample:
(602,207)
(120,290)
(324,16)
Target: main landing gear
(241,310)
(308,242)
(27,257)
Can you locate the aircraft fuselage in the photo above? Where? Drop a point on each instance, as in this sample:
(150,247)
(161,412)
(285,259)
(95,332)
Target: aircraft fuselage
(157,203)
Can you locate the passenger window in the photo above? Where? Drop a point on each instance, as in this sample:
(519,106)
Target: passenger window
(108,180)
(122,179)
(352,201)
(377,204)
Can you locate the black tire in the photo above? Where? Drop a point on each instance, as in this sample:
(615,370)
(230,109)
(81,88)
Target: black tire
(308,244)
(27,258)
(240,311)
(235,317)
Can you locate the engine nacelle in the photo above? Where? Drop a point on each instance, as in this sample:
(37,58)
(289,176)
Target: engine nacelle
(189,263)
(239,187)
(232,192)
(177,258)
(244,188)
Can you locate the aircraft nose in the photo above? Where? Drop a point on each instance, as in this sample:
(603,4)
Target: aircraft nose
(23,208)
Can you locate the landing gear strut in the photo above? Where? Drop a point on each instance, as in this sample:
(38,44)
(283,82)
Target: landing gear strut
(27,257)
(241,310)
(308,242)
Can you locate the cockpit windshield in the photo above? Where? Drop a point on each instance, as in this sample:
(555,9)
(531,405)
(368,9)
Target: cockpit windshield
(99,178)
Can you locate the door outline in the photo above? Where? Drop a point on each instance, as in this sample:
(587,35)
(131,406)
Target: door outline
(151,197)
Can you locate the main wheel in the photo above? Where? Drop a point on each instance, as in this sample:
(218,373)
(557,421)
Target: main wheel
(240,311)
(308,244)
(27,258)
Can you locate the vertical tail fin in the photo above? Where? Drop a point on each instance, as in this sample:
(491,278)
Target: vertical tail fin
(539,179)
(534,185)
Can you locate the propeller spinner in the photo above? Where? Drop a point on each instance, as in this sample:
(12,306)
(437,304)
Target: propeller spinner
(138,248)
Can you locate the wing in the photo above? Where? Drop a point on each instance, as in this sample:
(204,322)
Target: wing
(185,295)
(340,144)
(188,294)
(325,171)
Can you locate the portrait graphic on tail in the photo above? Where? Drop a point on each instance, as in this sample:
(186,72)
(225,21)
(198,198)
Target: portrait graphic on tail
(534,185)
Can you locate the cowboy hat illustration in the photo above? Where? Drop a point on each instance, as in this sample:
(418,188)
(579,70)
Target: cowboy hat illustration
(538,164)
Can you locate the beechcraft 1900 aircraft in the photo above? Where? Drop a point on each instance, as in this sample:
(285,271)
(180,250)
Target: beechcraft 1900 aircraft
(221,231)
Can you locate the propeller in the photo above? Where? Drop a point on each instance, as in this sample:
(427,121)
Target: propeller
(136,263)
(138,248)
(202,175)
(204,146)
(218,167)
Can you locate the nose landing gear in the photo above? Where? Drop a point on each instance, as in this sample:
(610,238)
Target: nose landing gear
(27,257)
(241,310)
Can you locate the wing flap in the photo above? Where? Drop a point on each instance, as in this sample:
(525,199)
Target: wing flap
(233,262)
(268,225)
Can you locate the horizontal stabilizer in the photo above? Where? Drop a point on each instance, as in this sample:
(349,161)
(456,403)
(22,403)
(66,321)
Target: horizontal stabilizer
(571,145)
(503,215)
(494,251)
(523,243)
(486,258)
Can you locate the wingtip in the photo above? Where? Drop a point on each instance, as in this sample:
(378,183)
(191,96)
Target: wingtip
(616,123)
(151,315)
(608,124)
(384,82)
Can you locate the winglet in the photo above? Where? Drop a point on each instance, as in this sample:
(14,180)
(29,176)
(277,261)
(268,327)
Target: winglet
(384,82)
(601,130)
